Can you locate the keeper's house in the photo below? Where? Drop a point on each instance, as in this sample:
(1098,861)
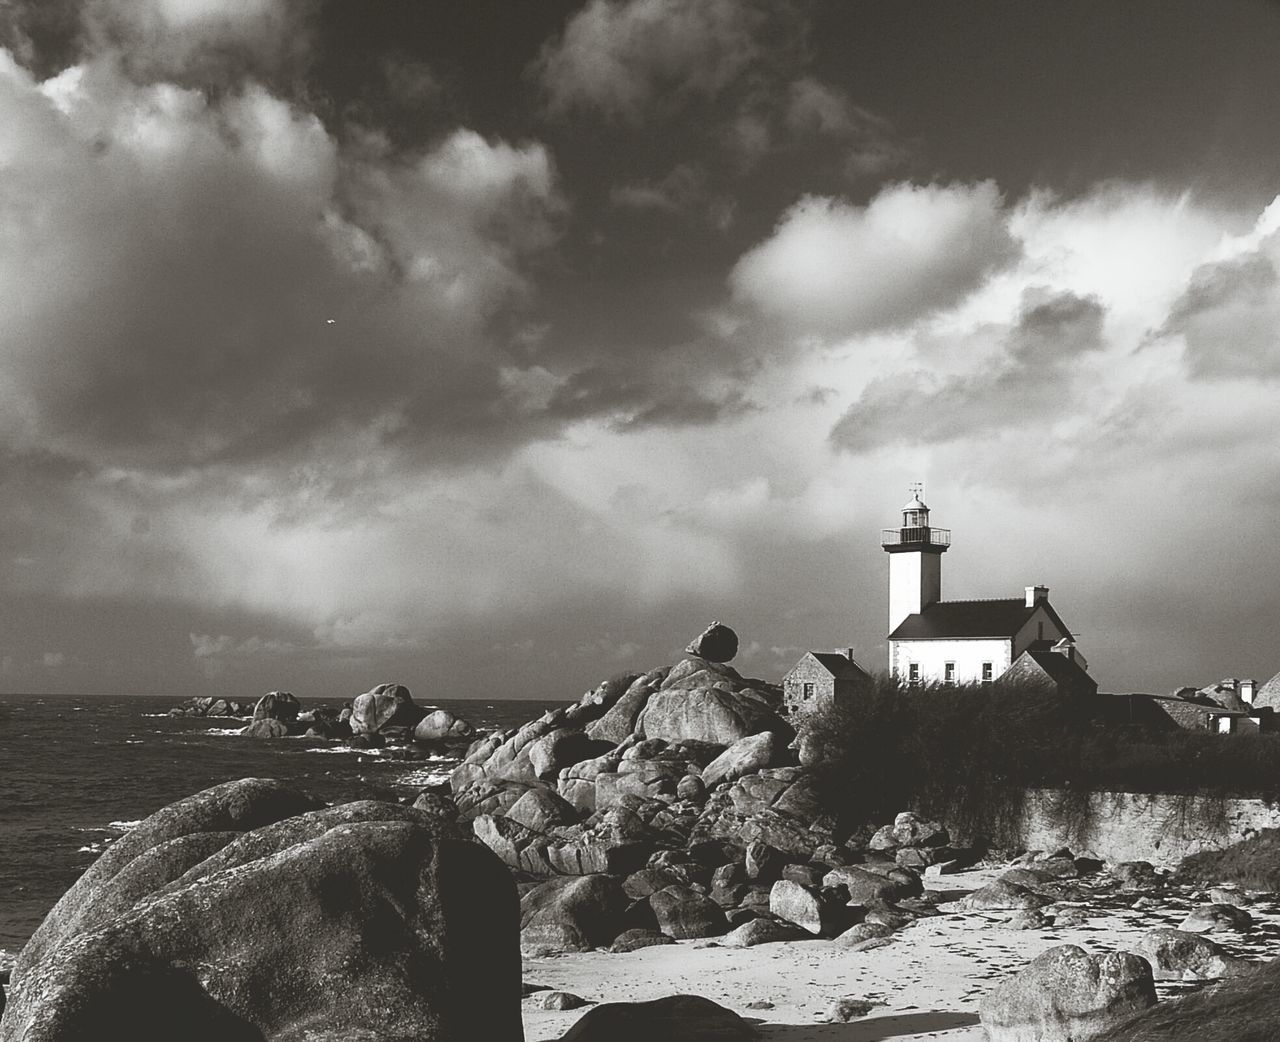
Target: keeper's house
(820,679)
(958,642)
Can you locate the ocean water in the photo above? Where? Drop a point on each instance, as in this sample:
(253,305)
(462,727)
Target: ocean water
(76,772)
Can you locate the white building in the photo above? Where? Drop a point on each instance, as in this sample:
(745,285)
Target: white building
(957,642)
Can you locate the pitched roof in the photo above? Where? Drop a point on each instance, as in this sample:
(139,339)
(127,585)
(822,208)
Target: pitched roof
(1060,669)
(1269,693)
(839,666)
(1001,618)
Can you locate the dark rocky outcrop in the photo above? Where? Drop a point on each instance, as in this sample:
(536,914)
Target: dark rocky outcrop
(277,705)
(387,705)
(247,912)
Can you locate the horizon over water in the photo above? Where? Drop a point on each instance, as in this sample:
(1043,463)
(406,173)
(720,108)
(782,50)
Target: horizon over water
(77,771)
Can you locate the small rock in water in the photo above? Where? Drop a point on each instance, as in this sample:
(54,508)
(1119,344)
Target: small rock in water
(559,1000)
(760,1004)
(846,1009)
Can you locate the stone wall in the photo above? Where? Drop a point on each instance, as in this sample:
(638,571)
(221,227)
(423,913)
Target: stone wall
(1132,826)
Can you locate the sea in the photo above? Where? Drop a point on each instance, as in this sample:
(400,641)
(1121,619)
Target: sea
(77,772)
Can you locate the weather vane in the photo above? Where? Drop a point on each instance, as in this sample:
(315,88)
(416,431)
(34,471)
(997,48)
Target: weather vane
(916,488)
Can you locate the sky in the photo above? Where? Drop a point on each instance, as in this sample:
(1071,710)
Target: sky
(498,348)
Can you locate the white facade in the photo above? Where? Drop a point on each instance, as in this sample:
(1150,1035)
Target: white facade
(915,582)
(972,660)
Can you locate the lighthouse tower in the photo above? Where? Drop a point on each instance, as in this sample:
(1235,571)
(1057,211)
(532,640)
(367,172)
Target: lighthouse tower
(915,560)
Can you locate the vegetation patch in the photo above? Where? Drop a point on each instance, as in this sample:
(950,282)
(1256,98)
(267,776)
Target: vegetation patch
(1252,863)
(967,755)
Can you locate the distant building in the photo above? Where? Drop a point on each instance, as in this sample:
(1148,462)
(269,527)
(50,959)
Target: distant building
(821,679)
(932,641)
(1055,669)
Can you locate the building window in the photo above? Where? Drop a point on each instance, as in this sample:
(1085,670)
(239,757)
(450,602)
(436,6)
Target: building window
(807,692)
(913,673)
(949,673)
(987,671)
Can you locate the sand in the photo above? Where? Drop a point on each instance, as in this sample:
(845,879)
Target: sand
(929,979)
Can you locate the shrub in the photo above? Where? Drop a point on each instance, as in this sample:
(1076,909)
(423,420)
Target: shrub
(966,754)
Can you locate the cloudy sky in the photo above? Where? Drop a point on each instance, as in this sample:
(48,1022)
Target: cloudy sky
(495,348)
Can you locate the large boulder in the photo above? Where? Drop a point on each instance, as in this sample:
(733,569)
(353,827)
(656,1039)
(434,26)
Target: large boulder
(387,705)
(676,1018)
(619,720)
(277,705)
(363,920)
(717,643)
(822,912)
(571,914)
(746,756)
(909,830)
(541,810)
(232,807)
(682,913)
(707,707)
(1067,995)
(441,724)
(1178,955)
(1001,895)
(865,887)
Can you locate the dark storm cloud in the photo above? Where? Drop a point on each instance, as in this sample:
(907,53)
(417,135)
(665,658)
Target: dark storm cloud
(1031,383)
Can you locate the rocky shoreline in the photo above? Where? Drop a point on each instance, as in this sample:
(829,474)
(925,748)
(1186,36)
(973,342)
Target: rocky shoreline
(661,836)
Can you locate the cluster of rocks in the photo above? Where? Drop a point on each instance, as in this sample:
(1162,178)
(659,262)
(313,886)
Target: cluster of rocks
(386,715)
(212,707)
(670,804)
(1069,995)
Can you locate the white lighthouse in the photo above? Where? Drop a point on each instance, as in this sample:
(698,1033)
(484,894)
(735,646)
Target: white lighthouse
(915,561)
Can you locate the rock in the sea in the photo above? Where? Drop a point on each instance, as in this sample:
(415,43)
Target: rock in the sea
(717,643)
(441,724)
(676,1018)
(163,939)
(277,705)
(571,914)
(1178,955)
(266,728)
(1067,995)
(387,705)
(1217,918)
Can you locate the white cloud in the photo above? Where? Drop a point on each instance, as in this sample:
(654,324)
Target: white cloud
(623,57)
(836,268)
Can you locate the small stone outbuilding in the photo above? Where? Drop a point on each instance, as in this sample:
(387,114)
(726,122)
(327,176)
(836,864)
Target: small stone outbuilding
(821,679)
(1054,669)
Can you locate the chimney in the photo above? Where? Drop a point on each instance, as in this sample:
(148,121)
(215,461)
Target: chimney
(849,654)
(1247,690)
(1036,594)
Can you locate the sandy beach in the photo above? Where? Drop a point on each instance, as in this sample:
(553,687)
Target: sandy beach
(928,979)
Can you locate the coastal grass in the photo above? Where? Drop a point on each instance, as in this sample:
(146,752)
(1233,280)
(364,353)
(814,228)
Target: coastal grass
(967,755)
